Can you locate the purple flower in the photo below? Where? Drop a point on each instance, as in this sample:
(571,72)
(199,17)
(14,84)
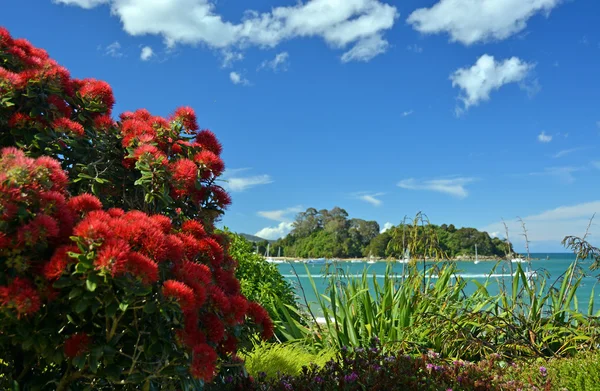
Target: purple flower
(287,386)
(389,358)
(318,379)
(429,366)
(229,379)
(376,367)
(351,377)
(543,371)
(433,354)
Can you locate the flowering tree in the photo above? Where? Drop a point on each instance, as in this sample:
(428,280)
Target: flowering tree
(111,273)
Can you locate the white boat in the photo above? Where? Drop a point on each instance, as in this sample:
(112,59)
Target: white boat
(318,261)
(356,261)
(518,260)
(476,259)
(406,258)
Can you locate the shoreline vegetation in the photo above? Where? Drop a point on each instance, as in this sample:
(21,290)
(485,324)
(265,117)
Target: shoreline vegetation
(460,258)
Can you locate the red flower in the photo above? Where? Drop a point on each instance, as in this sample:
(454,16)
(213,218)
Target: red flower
(103,122)
(194,228)
(99,91)
(21,296)
(57,175)
(163,222)
(209,141)
(40,229)
(58,262)
(66,125)
(76,344)
(112,252)
(116,212)
(268,328)
(93,229)
(184,172)
(239,307)
(84,203)
(175,248)
(147,149)
(20,120)
(180,292)
(204,362)
(134,128)
(215,330)
(220,196)
(211,161)
(219,300)
(139,266)
(187,116)
(230,344)
(60,104)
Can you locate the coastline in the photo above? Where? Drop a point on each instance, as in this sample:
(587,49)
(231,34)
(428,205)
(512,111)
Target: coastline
(460,258)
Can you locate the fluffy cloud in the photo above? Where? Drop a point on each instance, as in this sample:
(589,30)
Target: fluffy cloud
(341,23)
(279,63)
(544,138)
(114,50)
(146,53)
(229,57)
(273,233)
(478,81)
(237,78)
(407,113)
(471,21)
(452,186)
(281,215)
(553,225)
(386,226)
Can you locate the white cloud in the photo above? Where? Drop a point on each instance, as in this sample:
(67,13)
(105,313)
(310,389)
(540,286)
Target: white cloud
(386,226)
(237,78)
(146,53)
(87,4)
(241,184)
(414,48)
(366,49)
(407,113)
(114,50)
(236,181)
(564,174)
(281,215)
(279,63)
(273,233)
(341,23)
(478,81)
(544,138)
(551,225)
(370,198)
(566,152)
(453,186)
(230,56)
(471,21)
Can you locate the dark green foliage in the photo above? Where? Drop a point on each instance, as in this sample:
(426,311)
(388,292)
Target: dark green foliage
(260,281)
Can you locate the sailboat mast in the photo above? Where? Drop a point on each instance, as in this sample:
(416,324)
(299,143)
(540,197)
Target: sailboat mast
(475,253)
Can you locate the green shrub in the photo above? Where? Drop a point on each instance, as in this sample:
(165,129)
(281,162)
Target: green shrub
(260,281)
(579,373)
(284,359)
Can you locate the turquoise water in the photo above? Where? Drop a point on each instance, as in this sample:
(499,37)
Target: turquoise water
(551,269)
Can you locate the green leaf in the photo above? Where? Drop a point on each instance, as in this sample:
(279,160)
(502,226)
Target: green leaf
(150,307)
(63,282)
(81,306)
(75,292)
(123,306)
(90,285)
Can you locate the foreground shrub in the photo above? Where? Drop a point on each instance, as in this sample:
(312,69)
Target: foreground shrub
(111,272)
(372,369)
(272,360)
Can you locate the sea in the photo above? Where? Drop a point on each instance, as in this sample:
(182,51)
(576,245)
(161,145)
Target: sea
(546,265)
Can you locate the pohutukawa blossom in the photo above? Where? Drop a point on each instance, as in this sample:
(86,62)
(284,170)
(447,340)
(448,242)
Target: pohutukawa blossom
(220,196)
(21,296)
(182,293)
(211,161)
(139,266)
(97,90)
(204,362)
(85,203)
(209,142)
(60,104)
(66,125)
(103,122)
(194,228)
(59,262)
(187,116)
(76,345)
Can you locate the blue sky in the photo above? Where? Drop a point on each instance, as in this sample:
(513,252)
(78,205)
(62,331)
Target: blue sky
(471,111)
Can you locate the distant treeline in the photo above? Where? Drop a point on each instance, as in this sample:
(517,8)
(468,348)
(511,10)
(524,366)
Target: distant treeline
(331,234)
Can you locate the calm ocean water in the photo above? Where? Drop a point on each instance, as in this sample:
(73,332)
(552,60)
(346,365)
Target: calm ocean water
(551,268)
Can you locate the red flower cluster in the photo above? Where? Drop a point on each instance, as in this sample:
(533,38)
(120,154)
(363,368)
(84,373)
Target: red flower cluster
(76,344)
(21,296)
